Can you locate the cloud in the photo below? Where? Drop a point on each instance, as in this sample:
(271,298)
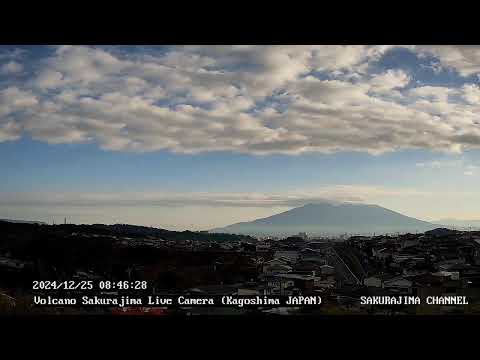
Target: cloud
(292,198)
(471,93)
(246,99)
(463,58)
(459,165)
(11,67)
(470,170)
(12,54)
(48,79)
(389,80)
(433,93)
(439,164)
(13,101)
(434,66)
(9,130)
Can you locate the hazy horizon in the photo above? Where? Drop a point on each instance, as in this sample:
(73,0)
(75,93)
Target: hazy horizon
(249,211)
(199,137)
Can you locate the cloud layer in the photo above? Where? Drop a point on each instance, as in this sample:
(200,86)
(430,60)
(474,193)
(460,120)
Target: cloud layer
(194,210)
(246,99)
(332,193)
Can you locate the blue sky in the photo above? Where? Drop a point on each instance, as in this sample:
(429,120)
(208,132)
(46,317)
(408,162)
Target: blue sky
(199,137)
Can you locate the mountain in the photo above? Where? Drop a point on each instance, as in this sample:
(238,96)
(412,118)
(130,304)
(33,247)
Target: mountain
(331,218)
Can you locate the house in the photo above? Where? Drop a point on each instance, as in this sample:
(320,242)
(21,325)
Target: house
(388,281)
(303,282)
(210,290)
(247,289)
(398,284)
(276,268)
(427,285)
(312,255)
(449,264)
(351,294)
(275,285)
(435,285)
(277,261)
(408,243)
(314,260)
(452,275)
(373,281)
(476,252)
(225,246)
(327,270)
(324,284)
(381,254)
(307,266)
(319,245)
(247,247)
(292,255)
(287,284)
(399,257)
(86,275)
(263,247)
(310,252)
(359,239)
(277,265)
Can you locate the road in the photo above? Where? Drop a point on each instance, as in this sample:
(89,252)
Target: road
(346,275)
(352,260)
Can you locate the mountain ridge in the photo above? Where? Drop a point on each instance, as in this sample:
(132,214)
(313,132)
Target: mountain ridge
(330,217)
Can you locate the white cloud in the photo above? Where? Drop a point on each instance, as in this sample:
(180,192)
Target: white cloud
(292,198)
(12,54)
(248,99)
(9,130)
(11,67)
(470,170)
(434,66)
(435,93)
(392,79)
(458,165)
(48,79)
(471,93)
(463,58)
(13,99)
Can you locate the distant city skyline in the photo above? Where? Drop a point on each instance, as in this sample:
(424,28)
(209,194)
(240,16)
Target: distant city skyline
(198,137)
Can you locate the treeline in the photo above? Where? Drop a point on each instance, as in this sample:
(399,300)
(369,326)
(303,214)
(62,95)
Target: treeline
(132,231)
(66,242)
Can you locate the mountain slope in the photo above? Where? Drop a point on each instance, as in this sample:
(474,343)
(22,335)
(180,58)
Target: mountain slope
(331,218)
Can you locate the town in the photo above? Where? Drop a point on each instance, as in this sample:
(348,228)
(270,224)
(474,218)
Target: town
(343,272)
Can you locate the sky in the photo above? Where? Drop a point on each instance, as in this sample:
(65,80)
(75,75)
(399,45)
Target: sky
(197,137)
